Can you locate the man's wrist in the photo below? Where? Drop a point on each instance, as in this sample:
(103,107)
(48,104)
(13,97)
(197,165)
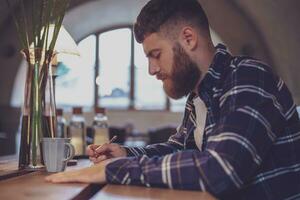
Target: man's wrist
(128,152)
(114,170)
(107,162)
(125,152)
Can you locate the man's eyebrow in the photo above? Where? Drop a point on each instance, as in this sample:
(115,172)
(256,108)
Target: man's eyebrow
(150,53)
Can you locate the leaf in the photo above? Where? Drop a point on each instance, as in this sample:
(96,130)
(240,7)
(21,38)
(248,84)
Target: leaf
(33,22)
(17,24)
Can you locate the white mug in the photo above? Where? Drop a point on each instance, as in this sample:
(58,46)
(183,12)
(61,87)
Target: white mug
(56,153)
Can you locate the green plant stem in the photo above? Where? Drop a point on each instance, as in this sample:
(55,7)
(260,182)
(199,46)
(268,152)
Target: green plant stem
(35,114)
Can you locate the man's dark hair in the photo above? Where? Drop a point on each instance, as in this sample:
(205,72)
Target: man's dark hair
(160,14)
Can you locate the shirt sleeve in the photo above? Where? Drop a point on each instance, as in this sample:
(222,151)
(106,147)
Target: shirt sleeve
(251,117)
(174,144)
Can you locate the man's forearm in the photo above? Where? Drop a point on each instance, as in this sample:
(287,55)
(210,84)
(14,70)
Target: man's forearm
(182,170)
(153,150)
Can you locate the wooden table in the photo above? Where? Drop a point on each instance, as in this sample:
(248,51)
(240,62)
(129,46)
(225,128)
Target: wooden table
(122,192)
(33,186)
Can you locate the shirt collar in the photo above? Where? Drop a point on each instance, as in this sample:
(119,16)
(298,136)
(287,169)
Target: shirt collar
(213,76)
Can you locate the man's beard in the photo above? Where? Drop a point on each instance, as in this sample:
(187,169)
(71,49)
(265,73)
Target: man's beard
(184,75)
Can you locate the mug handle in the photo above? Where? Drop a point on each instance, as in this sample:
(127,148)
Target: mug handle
(71,150)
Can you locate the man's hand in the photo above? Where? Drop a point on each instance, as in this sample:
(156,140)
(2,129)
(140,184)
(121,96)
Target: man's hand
(93,174)
(98,153)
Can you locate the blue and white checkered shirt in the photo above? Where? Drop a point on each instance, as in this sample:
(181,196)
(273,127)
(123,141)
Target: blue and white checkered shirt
(251,142)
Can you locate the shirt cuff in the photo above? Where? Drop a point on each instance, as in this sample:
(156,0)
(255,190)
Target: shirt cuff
(132,151)
(122,171)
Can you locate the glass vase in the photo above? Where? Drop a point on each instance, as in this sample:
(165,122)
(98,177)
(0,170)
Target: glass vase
(38,112)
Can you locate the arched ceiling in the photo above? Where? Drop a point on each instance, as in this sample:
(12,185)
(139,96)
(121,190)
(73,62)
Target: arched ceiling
(92,16)
(86,17)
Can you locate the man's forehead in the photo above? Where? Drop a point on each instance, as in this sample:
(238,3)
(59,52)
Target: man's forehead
(152,41)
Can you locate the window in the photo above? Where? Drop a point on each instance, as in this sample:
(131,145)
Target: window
(75,82)
(123,81)
(114,68)
(149,92)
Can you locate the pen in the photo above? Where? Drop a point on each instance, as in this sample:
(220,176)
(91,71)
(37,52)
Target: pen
(110,141)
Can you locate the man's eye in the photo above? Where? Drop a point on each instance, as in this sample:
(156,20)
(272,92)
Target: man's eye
(157,55)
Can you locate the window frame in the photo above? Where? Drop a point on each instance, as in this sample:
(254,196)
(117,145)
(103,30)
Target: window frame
(132,73)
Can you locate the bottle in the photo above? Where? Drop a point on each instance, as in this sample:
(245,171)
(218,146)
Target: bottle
(61,129)
(100,126)
(77,131)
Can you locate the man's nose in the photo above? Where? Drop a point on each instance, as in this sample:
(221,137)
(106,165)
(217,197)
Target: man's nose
(153,69)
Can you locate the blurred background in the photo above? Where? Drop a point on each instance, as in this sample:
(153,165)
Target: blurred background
(112,71)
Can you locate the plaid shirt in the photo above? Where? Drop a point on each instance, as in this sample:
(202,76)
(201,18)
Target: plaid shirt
(251,143)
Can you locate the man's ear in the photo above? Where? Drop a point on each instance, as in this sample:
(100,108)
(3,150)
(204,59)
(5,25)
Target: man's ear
(189,38)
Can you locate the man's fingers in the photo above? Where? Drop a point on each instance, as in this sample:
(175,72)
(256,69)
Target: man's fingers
(93,159)
(92,174)
(99,154)
(90,152)
(58,178)
(100,158)
(91,149)
(102,148)
(64,177)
